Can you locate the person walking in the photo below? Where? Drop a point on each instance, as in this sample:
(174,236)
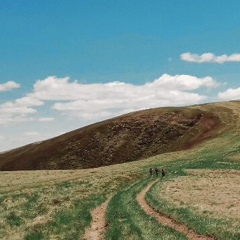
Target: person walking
(151,172)
(163,172)
(156,171)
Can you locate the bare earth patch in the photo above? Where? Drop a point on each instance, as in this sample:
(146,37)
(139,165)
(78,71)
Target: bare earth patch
(40,221)
(166,221)
(207,191)
(99,224)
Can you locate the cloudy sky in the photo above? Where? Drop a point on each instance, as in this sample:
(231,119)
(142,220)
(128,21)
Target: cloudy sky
(67,64)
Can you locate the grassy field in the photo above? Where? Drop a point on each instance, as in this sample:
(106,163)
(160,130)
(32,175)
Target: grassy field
(201,190)
(205,200)
(54,205)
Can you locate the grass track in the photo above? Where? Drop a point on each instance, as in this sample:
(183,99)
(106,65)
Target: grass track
(208,226)
(127,218)
(214,158)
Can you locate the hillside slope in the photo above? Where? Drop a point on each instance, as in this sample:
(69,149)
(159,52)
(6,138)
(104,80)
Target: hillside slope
(122,139)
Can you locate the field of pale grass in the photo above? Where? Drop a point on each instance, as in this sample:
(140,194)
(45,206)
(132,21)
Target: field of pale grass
(208,192)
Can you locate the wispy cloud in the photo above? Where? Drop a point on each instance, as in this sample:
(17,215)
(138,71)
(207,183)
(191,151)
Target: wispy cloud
(31,133)
(14,119)
(46,119)
(28,101)
(18,110)
(210,58)
(8,86)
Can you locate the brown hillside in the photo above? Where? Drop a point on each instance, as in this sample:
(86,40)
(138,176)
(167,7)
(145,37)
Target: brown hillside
(126,138)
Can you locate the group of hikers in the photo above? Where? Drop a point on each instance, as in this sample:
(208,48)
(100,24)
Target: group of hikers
(151,171)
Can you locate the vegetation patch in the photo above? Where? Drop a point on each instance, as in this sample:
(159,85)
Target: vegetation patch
(127,218)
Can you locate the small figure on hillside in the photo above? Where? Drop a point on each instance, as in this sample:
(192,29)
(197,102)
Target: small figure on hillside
(151,172)
(156,171)
(163,172)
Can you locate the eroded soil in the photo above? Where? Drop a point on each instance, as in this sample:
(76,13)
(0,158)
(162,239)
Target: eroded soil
(99,224)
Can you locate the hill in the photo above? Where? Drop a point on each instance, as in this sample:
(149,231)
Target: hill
(197,198)
(130,137)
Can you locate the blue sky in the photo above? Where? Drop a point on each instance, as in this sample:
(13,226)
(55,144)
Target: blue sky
(66,64)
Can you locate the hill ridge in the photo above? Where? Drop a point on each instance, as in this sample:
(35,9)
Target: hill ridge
(126,138)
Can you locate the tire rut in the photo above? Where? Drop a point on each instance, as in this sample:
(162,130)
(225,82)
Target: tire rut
(99,224)
(167,221)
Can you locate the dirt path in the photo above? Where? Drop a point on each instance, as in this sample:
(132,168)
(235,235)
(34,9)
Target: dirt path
(166,221)
(99,224)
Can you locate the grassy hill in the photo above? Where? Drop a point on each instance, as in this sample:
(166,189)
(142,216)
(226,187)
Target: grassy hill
(126,138)
(200,190)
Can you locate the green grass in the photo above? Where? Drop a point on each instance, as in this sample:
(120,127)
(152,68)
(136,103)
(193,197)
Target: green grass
(128,220)
(35,236)
(69,218)
(13,219)
(204,225)
(67,223)
(71,223)
(207,159)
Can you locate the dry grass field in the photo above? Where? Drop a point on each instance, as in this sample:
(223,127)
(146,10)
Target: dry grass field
(211,192)
(201,190)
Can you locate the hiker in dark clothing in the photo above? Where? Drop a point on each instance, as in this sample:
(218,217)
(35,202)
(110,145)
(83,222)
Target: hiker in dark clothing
(163,172)
(156,171)
(151,172)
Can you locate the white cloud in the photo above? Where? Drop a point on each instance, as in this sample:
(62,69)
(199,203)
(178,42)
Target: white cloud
(11,112)
(101,100)
(230,94)
(24,102)
(14,119)
(183,82)
(210,58)
(8,86)
(61,89)
(31,133)
(111,99)
(17,110)
(53,89)
(46,119)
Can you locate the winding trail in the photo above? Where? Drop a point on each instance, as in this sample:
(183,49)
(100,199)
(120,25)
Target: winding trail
(99,224)
(167,221)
